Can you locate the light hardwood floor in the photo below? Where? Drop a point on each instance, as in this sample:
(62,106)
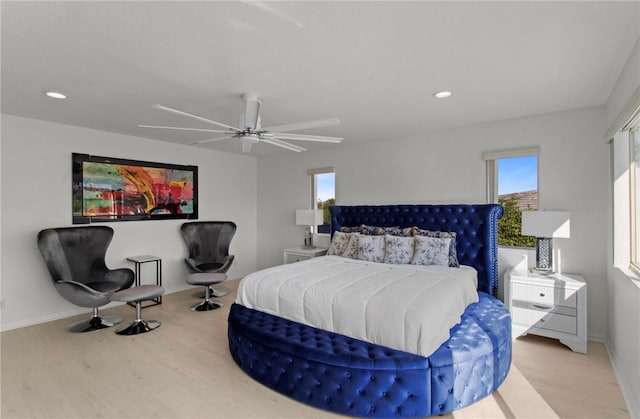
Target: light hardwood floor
(184,370)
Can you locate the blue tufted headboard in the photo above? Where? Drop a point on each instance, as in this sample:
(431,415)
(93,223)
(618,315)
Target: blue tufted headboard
(476,227)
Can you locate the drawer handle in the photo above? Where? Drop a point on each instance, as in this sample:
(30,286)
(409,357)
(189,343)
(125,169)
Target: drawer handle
(542,294)
(542,307)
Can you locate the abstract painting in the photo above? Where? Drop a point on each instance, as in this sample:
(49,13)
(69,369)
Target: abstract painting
(111,189)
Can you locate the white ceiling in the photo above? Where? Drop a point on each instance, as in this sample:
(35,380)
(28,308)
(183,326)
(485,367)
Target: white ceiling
(373,65)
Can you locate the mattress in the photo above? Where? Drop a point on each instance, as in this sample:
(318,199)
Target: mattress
(352,298)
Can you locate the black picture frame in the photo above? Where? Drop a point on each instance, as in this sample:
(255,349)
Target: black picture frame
(107,189)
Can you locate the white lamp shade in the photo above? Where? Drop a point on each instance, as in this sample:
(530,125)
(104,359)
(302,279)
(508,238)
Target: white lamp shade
(309,217)
(546,224)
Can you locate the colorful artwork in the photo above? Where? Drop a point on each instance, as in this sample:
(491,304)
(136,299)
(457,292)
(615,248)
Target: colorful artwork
(115,189)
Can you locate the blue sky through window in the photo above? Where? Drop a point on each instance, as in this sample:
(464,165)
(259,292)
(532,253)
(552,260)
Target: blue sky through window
(517,174)
(326,184)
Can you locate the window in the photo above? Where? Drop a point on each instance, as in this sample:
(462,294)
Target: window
(512,181)
(323,194)
(634,193)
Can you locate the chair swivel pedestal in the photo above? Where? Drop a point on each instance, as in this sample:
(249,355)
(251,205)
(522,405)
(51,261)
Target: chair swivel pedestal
(206,280)
(95,322)
(138,295)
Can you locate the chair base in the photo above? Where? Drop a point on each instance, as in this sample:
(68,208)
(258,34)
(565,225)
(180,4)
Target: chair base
(206,306)
(138,327)
(213,292)
(93,323)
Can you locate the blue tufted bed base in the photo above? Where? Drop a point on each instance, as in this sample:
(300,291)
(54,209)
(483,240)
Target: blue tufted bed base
(349,376)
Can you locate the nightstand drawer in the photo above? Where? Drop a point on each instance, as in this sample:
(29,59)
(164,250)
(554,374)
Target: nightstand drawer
(298,258)
(550,296)
(545,320)
(298,254)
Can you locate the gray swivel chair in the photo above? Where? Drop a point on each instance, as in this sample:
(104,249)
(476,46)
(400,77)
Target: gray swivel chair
(208,244)
(75,257)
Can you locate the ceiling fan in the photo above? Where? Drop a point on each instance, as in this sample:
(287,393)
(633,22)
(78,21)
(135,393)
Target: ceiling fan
(252,131)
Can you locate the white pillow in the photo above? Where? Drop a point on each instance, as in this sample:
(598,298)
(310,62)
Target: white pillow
(351,251)
(339,243)
(398,249)
(371,248)
(431,251)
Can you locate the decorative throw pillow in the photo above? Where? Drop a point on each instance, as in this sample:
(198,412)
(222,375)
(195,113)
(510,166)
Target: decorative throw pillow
(371,230)
(339,243)
(350,229)
(351,251)
(371,248)
(381,231)
(431,251)
(398,249)
(453,250)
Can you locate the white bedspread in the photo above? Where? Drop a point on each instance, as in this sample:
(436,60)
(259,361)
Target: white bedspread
(405,307)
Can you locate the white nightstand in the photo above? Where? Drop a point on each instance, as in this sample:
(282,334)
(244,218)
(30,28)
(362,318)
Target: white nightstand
(296,254)
(553,305)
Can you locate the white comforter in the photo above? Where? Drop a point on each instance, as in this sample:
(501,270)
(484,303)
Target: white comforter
(405,307)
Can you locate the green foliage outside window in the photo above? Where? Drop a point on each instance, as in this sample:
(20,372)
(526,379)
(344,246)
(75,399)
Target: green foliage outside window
(509,233)
(324,206)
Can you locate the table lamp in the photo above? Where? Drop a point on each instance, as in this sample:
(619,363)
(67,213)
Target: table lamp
(544,226)
(309,218)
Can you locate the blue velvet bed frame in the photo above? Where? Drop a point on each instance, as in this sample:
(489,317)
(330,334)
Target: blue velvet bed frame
(356,378)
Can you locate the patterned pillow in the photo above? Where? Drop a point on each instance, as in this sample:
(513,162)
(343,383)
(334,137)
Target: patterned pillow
(339,242)
(351,251)
(381,231)
(398,250)
(453,250)
(371,248)
(431,251)
(350,229)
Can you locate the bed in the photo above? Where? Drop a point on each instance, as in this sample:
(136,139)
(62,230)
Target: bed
(342,373)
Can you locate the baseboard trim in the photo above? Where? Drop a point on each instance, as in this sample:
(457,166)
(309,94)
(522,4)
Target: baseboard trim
(630,398)
(43,319)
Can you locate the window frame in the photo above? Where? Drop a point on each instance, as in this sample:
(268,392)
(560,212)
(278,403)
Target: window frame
(633,127)
(314,188)
(491,159)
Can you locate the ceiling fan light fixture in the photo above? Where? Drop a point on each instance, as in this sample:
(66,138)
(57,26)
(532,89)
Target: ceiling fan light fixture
(442,94)
(250,138)
(54,95)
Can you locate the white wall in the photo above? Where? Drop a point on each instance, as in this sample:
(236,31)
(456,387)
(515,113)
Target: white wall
(623,339)
(36,194)
(447,167)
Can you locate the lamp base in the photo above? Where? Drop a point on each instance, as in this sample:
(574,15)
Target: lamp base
(308,240)
(544,255)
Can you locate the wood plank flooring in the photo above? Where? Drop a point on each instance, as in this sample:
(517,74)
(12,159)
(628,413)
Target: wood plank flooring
(184,370)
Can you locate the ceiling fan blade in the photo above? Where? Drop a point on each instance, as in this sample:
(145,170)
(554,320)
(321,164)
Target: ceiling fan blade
(303,125)
(246,146)
(182,128)
(211,140)
(301,137)
(199,118)
(283,144)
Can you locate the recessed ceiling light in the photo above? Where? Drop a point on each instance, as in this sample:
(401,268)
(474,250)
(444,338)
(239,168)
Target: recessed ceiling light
(55,95)
(442,94)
